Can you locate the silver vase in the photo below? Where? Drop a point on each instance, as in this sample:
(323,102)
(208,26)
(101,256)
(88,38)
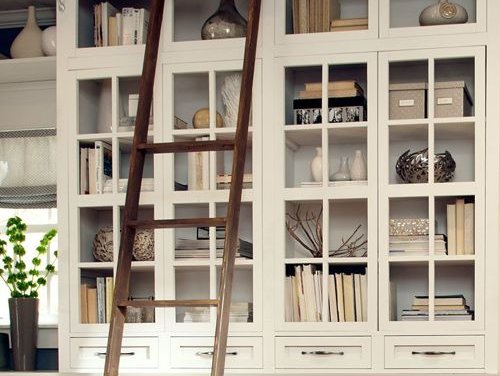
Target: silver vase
(226,22)
(443,13)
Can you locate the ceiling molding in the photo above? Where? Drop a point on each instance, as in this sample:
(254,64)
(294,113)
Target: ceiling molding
(10,19)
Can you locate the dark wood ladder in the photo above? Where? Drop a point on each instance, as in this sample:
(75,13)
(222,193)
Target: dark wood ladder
(139,150)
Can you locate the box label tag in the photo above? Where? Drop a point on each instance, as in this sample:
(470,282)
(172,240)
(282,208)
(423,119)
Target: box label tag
(406,103)
(448,100)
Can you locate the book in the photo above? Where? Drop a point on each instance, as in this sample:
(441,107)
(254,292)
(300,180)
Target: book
(332,299)
(128,26)
(198,169)
(107,10)
(337,93)
(333,85)
(84,171)
(103,164)
(349,308)
(349,28)
(357,297)
(469,229)
(339,284)
(300,293)
(119,29)
(112,31)
(460,225)
(303,16)
(92,172)
(349,22)
(101,300)
(109,297)
(309,297)
(92,305)
(440,300)
(288,299)
(142,22)
(84,313)
(364,297)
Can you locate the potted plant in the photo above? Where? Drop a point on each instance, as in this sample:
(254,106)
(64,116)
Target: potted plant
(24,282)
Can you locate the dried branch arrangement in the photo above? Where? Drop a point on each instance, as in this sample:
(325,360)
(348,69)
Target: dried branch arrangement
(354,246)
(306,229)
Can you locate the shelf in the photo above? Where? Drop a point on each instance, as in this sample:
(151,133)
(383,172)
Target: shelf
(28,69)
(354,191)
(96,265)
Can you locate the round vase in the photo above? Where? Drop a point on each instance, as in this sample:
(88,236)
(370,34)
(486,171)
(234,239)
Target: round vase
(226,22)
(201,119)
(442,13)
(29,41)
(358,166)
(24,332)
(343,173)
(317,165)
(49,41)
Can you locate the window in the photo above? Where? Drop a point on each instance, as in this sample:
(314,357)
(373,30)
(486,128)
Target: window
(38,222)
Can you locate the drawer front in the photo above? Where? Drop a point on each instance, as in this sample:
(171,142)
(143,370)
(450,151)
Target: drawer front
(434,352)
(136,352)
(241,352)
(323,352)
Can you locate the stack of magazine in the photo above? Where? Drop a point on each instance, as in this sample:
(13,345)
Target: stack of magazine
(199,248)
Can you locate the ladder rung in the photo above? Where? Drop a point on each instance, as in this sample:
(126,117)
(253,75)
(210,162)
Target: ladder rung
(178,223)
(187,146)
(169,303)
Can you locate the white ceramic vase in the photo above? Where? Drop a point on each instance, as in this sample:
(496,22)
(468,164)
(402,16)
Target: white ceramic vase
(443,13)
(358,167)
(317,165)
(342,173)
(49,41)
(29,41)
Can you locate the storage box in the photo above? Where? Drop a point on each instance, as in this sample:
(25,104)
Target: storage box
(340,110)
(452,99)
(408,101)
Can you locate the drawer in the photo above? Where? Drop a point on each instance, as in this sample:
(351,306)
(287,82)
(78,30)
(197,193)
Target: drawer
(136,352)
(323,352)
(434,352)
(241,352)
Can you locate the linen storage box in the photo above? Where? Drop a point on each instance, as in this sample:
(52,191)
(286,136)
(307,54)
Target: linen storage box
(408,101)
(340,110)
(452,99)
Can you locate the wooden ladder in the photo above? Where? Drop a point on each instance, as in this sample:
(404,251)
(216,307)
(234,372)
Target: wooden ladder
(131,223)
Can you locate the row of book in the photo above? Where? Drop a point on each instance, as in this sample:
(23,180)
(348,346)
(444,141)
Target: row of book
(347,296)
(416,245)
(96,298)
(460,227)
(114,28)
(313,16)
(239,312)
(199,248)
(446,308)
(96,167)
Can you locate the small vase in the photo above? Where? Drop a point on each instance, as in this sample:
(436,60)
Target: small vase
(358,167)
(226,22)
(317,165)
(24,332)
(443,13)
(29,41)
(49,41)
(343,172)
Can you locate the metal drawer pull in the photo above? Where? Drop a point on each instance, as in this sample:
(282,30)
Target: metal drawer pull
(210,353)
(121,354)
(320,352)
(433,353)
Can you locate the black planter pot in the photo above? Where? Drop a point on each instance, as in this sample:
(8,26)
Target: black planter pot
(24,332)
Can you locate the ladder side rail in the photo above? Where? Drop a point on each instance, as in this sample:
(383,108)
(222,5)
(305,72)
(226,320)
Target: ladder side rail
(234,204)
(133,189)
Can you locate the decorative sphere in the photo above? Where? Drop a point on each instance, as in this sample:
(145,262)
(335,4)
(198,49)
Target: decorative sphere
(49,41)
(201,119)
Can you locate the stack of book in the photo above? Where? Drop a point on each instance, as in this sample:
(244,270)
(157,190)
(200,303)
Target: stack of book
(415,245)
(446,308)
(112,28)
(96,167)
(349,24)
(239,312)
(460,227)
(346,103)
(224,181)
(313,16)
(96,300)
(347,295)
(199,248)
